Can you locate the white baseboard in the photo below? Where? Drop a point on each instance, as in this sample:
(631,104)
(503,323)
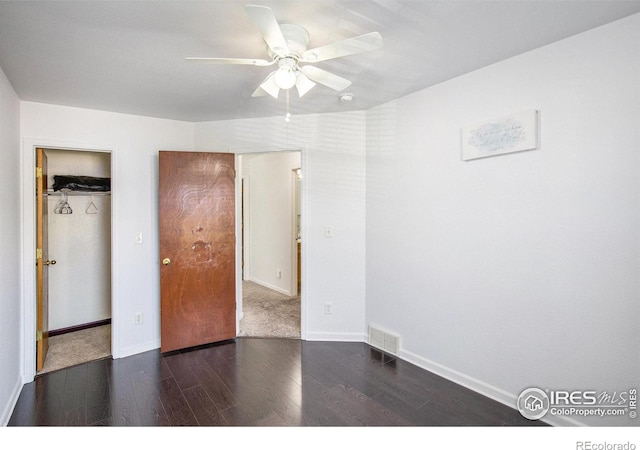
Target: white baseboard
(139,348)
(492,392)
(272,287)
(11,403)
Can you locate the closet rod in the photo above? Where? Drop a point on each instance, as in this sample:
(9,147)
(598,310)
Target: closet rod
(72,193)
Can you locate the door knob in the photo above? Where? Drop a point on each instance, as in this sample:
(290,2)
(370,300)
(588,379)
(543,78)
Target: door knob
(50,262)
(166,261)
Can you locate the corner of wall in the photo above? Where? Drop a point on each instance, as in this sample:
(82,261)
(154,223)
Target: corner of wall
(11,403)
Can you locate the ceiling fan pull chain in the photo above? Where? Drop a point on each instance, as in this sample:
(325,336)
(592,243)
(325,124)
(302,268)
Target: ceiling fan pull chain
(287,116)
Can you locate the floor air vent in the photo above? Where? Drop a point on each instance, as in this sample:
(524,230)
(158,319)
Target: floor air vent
(384,340)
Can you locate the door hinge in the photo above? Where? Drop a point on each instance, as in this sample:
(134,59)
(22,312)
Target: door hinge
(38,335)
(38,253)
(38,172)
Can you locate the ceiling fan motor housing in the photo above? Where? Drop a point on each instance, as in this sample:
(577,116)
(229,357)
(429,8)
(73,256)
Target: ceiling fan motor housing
(297,39)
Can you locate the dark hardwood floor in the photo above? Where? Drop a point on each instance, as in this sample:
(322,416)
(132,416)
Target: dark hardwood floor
(256,382)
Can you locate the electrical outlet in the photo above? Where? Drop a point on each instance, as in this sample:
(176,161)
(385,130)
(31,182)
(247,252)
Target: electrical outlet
(328,232)
(328,308)
(278,273)
(138,318)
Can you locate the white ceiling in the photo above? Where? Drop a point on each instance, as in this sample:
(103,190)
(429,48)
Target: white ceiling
(128,56)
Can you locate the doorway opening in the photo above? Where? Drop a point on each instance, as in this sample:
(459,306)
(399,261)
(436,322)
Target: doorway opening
(74,232)
(271,244)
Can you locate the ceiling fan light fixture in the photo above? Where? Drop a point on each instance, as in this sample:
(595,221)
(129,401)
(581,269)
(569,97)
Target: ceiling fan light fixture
(285,78)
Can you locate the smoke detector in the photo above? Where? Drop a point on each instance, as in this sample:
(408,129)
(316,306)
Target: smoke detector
(345,98)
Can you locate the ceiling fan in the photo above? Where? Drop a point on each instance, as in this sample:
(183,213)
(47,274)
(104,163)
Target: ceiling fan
(287,48)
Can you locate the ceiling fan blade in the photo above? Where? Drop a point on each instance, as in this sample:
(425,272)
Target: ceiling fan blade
(351,46)
(251,62)
(268,86)
(326,78)
(303,84)
(264,19)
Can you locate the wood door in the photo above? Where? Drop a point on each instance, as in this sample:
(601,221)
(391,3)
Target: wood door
(197,248)
(42,261)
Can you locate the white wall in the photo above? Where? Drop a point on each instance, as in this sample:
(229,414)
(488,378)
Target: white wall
(269,220)
(10,306)
(134,143)
(519,270)
(80,243)
(333,194)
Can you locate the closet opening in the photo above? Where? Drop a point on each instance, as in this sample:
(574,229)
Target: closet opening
(73,229)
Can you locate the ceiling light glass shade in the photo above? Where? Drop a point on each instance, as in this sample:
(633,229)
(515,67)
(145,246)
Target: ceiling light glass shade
(285,78)
(303,84)
(268,86)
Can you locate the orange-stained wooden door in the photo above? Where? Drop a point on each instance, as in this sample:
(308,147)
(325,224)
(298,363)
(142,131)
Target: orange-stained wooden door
(42,261)
(197,248)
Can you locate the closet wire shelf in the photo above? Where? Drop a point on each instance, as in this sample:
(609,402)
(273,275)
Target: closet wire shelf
(53,193)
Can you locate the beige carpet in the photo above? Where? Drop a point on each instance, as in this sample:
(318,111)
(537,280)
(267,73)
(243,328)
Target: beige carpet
(78,347)
(267,313)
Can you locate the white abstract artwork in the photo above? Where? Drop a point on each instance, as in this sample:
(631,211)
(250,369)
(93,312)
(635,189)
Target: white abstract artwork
(514,133)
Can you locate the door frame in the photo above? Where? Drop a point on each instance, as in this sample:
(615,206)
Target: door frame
(239,244)
(28,215)
(295,199)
